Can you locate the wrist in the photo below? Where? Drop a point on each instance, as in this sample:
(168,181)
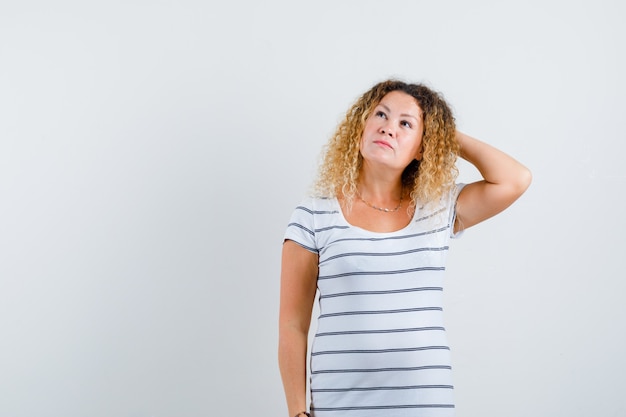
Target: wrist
(302,414)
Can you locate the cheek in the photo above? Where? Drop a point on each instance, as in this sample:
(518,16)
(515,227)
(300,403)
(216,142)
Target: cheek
(368,130)
(369,127)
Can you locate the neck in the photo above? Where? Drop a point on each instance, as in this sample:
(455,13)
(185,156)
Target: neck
(386,188)
(381,195)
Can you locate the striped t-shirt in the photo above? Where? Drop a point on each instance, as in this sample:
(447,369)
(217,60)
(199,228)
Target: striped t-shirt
(380,348)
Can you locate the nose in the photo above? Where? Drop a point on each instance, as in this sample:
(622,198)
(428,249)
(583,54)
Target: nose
(386,129)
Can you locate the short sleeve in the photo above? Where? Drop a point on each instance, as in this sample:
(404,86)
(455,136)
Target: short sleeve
(454,195)
(301,227)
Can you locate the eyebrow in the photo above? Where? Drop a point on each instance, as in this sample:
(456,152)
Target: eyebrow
(403,114)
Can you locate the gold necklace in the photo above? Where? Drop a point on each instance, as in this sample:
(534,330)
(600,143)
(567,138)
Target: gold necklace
(386,210)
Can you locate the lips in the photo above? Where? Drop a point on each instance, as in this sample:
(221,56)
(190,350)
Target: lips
(383,143)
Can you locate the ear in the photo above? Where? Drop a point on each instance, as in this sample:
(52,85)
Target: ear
(420,154)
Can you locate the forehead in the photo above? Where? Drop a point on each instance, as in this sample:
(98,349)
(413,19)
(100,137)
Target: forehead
(401,101)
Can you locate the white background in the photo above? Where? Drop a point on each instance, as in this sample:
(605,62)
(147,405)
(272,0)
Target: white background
(151,153)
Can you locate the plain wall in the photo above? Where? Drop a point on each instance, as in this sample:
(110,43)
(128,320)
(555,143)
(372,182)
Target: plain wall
(151,153)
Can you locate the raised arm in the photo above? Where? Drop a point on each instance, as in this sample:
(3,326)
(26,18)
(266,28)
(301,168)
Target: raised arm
(504,181)
(298,283)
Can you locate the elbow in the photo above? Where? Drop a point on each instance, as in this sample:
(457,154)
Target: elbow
(520,183)
(524,179)
(290,333)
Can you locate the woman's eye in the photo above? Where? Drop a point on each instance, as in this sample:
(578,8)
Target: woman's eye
(406,124)
(380,114)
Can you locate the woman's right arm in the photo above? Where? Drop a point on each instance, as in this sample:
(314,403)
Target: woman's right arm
(298,283)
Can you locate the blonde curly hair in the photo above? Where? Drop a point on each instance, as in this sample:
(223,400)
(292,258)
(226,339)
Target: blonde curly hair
(427,179)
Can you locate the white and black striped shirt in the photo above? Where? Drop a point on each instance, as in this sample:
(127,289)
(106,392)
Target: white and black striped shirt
(380,347)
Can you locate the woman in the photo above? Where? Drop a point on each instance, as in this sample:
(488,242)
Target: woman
(374,241)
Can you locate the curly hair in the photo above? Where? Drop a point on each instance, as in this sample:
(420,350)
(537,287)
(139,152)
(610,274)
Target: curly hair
(427,179)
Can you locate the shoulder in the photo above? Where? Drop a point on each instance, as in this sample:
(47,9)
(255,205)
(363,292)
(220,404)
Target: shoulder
(445,203)
(440,212)
(314,210)
(318,205)
(312,216)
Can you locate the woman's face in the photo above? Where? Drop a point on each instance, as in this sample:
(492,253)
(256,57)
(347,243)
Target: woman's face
(393,132)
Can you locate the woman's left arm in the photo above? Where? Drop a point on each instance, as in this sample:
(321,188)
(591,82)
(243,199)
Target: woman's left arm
(504,181)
